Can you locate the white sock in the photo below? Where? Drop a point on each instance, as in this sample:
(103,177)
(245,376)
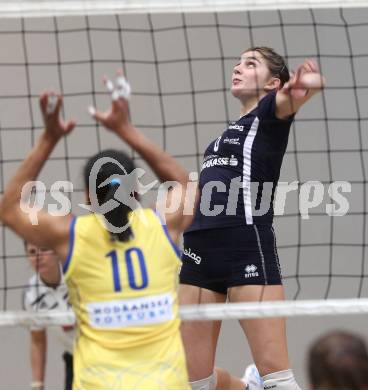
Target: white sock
(281,380)
(206,383)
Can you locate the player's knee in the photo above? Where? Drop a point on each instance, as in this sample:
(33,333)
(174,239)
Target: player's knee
(281,380)
(205,384)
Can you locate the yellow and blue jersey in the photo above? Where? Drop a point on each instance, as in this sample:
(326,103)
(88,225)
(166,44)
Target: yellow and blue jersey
(124,295)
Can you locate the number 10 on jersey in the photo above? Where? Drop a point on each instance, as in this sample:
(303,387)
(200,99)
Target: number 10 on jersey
(131,256)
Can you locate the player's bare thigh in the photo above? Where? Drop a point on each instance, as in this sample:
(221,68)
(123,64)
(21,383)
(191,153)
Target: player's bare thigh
(199,337)
(266,337)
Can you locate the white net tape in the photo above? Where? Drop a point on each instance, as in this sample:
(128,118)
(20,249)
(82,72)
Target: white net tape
(31,8)
(212,311)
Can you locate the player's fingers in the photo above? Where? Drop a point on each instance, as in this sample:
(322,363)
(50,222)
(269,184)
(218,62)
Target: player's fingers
(43,101)
(123,89)
(115,104)
(59,103)
(314,65)
(310,65)
(92,111)
(70,126)
(120,106)
(50,104)
(298,73)
(108,84)
(286,86)
(99,116)
(291,76)
(307,69)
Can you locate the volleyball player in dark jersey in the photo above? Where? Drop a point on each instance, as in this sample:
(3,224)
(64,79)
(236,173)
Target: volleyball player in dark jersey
(230,248)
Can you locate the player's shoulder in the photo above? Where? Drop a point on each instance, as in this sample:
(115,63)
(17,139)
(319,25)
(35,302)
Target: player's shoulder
(35,282)
(82,220)
(145,218)
(87,226)
(34,289)
(266,113)
(61,291)
(32,280)
(266,105)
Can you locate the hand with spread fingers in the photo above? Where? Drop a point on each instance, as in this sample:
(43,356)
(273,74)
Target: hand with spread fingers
(55,126)
(306,78)
(117,117)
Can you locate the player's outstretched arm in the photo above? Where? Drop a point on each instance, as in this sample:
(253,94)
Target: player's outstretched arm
(163,164)
(305,83)
(44,230)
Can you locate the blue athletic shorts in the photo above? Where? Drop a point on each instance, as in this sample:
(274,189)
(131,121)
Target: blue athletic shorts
(217,259)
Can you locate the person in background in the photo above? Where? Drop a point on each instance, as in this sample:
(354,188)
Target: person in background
(338,361)
(39,296)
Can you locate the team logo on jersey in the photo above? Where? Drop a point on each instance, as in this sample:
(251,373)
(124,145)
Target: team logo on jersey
(232,141)
(217,144)
(236,127)
(233,161)
(197,259)
(131,312)
(251,271)
(213,161)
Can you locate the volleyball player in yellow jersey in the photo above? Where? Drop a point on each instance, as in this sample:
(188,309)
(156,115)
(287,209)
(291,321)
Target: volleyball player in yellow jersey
(122,284)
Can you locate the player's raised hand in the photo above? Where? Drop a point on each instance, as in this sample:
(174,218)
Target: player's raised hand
(116,118)
(50,105)
(306,78)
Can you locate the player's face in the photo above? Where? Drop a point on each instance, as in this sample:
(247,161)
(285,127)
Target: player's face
(250,75)
(41,259)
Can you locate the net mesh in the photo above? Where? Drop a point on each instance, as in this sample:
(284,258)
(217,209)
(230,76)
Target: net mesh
(179,66)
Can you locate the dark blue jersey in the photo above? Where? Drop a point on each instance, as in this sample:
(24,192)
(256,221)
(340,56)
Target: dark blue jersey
(241,169)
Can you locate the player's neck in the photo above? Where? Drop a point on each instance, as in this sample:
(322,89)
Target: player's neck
(249,104)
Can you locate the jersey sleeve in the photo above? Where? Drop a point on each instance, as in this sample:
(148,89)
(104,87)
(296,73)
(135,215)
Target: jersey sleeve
(167,234)
(267,111)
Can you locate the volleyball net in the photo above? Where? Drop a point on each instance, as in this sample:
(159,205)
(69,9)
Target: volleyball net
(178,57)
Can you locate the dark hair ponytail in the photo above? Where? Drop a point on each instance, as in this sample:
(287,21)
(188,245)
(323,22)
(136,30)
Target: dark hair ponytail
(339,360)
(118,217)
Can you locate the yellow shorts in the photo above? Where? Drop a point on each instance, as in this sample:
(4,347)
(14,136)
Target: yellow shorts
(157,366)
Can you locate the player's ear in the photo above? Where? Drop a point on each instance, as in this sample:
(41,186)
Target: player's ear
(272,83)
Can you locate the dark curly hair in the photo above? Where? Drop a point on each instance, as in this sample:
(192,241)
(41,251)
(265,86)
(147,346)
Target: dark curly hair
(119,216)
